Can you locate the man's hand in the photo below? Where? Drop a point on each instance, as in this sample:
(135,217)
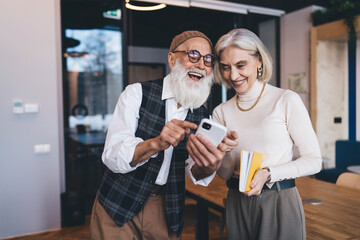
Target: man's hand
(207,156)
(172,133)
(256,185)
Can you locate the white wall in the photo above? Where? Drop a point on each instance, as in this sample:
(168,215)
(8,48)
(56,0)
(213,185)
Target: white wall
(332,96)
(295,47)
(332,75)
(30,70)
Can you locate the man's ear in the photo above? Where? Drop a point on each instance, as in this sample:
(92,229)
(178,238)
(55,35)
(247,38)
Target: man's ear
(171,59)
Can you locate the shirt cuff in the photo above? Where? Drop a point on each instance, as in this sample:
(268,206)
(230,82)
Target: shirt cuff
(121,163)
(202,182)
(130,154)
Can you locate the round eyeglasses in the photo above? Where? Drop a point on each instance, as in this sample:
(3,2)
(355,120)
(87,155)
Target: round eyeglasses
(194,57)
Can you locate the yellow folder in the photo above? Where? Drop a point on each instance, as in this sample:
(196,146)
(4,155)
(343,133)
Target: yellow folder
(250,162)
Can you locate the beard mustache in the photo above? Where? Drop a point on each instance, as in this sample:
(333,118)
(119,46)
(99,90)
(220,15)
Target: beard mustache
(190,94)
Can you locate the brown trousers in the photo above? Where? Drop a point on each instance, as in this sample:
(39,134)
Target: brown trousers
(149,224)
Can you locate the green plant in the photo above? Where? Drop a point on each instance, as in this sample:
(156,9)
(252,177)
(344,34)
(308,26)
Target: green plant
(340,9)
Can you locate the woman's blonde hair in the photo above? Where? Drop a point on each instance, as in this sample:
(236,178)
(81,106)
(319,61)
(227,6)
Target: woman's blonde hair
(246,40)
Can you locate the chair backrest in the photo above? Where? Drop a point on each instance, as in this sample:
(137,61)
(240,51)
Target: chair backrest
(347,153)
(350,180)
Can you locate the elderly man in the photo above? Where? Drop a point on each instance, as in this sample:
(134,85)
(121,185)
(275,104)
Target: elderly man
(143,190)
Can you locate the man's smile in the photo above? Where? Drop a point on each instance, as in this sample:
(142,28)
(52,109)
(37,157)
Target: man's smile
(195,76)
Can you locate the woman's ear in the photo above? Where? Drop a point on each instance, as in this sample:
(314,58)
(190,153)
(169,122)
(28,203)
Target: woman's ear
(171,59)
(260,61)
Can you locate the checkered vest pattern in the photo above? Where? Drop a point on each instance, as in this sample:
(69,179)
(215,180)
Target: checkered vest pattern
(124,195)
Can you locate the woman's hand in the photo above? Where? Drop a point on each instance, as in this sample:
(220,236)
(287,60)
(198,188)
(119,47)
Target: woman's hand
(256,185)
(230,140)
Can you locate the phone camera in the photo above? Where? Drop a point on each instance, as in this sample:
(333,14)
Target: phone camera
(206,126)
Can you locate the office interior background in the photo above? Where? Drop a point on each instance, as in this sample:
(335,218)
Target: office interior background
(63,64)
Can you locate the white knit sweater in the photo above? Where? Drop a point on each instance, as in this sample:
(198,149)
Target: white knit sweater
(277,123)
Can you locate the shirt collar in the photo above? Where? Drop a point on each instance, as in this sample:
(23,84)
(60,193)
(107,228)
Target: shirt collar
(167,91)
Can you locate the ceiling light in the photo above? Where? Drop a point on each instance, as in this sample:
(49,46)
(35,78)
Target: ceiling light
(219,6)
(179,3)
(144,8)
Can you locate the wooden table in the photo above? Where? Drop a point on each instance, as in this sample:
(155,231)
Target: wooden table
(338,217)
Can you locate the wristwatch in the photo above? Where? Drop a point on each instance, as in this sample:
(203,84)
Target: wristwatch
(269,177)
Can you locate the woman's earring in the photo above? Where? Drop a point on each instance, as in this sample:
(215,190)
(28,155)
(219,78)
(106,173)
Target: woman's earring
(259,70)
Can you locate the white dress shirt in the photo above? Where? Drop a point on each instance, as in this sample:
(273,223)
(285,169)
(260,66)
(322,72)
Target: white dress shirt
(121,142)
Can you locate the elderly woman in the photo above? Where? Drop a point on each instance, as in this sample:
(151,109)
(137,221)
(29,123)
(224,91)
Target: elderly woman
(271,121)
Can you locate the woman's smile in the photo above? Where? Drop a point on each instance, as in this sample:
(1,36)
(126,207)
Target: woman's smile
(239,68)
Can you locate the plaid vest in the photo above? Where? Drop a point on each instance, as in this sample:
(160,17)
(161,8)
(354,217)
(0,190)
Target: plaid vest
(124,195)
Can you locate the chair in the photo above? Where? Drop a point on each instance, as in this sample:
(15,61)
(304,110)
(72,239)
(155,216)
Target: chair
(350,180)
(346,153)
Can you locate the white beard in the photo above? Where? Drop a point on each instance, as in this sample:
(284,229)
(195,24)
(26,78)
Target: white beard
(188,93)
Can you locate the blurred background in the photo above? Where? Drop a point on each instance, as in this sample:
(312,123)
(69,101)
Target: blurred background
(64,63)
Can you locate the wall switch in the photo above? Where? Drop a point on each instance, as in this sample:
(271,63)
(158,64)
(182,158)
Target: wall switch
(42,148)
(337,119)
(18,107)
(31,108)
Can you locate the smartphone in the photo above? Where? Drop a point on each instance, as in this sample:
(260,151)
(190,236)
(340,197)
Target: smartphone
(213,131)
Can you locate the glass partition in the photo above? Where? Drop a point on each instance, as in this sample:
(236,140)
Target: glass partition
(92,82)
(94,75)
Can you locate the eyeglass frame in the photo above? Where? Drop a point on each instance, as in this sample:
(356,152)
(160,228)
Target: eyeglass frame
(200,56)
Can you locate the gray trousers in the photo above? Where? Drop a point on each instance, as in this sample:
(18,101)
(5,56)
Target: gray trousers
(275,214)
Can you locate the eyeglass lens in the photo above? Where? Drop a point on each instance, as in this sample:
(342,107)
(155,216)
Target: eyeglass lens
(194,57)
